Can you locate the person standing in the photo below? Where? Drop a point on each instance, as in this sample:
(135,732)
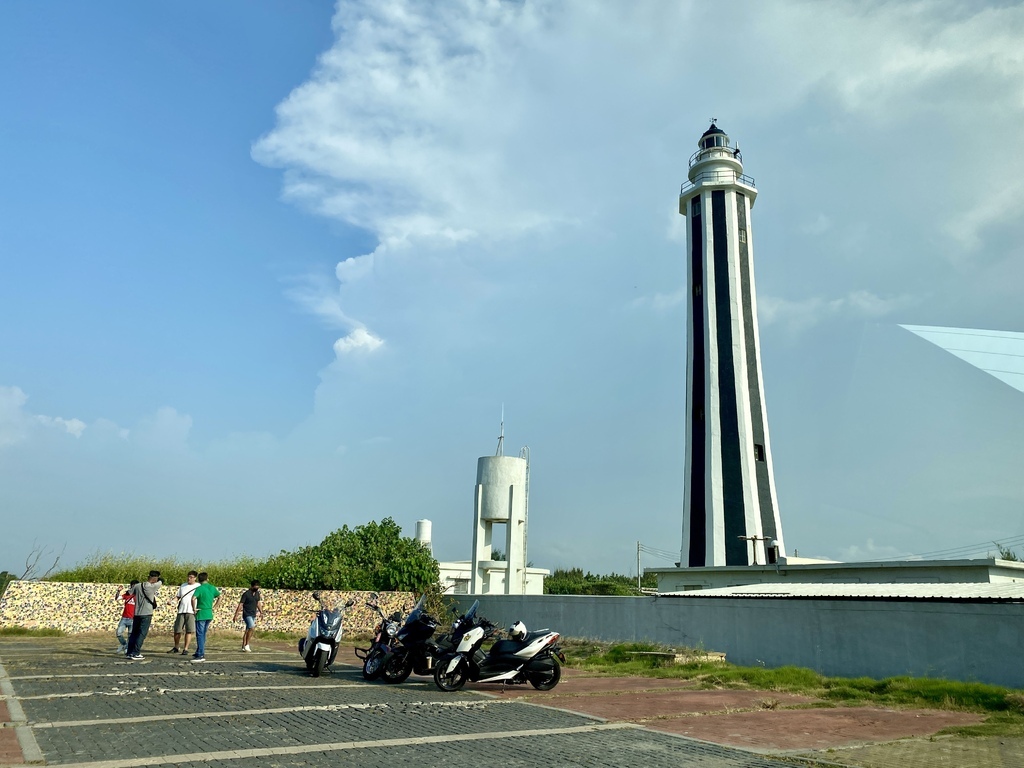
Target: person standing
(124,626)
(204,601)
(185,621)
(145,593)
(250,604)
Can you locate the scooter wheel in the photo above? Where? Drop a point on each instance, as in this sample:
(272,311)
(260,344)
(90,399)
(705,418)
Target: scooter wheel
(372,664)
(319,662)
(397,668)
(545,681)
(451,681)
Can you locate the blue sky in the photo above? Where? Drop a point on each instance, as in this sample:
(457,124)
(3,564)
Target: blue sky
(268,269)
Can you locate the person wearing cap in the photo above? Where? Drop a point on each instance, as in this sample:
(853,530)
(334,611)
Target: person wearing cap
(145,603)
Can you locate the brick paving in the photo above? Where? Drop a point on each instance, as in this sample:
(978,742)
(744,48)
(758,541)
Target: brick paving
(83,705)
(75,702)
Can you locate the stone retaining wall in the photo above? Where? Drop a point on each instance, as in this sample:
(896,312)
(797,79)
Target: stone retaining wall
(76,608)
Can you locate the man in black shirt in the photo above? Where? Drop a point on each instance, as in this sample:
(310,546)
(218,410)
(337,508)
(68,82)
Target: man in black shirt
(250,604)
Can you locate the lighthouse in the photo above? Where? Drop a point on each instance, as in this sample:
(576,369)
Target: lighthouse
(730,509)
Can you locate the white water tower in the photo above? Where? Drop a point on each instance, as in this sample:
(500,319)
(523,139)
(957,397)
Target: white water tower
(423,535)
(501,497)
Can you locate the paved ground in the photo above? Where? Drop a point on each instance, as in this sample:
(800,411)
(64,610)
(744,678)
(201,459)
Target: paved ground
(74,702)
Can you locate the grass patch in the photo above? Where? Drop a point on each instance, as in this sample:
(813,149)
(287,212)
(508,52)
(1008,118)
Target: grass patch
(108,568)
(23,632)
(1004,706)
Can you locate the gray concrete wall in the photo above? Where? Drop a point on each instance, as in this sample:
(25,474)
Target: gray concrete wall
(975,642)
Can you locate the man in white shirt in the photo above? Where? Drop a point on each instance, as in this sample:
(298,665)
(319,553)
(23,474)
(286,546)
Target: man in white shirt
(185,622)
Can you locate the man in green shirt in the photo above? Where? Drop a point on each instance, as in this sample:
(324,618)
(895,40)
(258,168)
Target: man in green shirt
(204,600)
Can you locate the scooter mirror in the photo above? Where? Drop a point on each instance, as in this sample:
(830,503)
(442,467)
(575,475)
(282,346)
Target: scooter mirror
(316,595)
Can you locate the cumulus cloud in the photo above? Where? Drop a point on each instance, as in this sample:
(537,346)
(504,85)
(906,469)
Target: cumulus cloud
(354,268)
(868,551)
(167,429)
(432,125)
(805,313)
(360,340)
(661,302)
(17,423)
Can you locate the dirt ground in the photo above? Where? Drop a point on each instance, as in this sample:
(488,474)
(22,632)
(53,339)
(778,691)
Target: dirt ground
(758,720)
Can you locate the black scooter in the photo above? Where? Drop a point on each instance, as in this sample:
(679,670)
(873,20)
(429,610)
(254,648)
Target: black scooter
(373,658)
(416,648)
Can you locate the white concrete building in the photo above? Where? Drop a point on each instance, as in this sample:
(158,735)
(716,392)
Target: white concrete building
(730,509)
(501,501)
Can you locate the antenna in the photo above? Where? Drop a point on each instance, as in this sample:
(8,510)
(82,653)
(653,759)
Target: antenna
(501,436)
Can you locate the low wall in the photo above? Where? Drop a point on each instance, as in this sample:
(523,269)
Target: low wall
(76,608)
(955,640)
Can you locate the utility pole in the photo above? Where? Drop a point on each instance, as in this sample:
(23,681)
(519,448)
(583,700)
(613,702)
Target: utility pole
(638,588)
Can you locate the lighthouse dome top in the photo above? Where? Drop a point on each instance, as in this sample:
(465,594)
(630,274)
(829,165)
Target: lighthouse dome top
(713,137)
(713,129)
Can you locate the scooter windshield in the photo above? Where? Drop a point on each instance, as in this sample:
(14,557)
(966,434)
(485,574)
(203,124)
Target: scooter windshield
(417,609)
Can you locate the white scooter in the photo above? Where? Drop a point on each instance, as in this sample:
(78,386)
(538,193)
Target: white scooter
(319,647)
(526,657)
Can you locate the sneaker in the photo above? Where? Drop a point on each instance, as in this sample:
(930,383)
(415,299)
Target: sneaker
(173,650)
(136,657)
(247,649)
(184,651)
(122,649)
(197,659)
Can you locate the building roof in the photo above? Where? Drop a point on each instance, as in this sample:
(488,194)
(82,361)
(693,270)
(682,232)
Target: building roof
(997,353)
(973,591)
(807,565)
(712,131)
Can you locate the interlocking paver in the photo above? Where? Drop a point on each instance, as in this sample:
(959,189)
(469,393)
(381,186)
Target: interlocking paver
(111,695)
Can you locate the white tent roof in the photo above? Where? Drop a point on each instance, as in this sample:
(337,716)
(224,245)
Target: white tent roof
(999,353)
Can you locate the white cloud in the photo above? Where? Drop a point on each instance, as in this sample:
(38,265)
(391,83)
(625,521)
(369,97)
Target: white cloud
(870,551)
(354,268)
(17,424)
(806,313)
(661,302)
(818,226)
(360,340)
(164,430)
(73,427)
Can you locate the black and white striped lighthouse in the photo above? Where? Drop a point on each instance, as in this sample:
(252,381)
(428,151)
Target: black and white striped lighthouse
(730,509)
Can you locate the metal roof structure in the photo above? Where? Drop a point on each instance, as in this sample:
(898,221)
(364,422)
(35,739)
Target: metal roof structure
(971,591)
(997,353)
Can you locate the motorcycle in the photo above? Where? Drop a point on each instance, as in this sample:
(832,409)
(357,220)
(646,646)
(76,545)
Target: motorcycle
(415,649)
(373,658)
(526,656)
(319,647)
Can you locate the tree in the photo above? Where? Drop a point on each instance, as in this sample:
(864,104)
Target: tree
(1005,553)
(6,578)
(32,564)
(370,557)
(573,581)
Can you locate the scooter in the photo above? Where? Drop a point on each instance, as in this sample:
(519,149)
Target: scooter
(416,648)
(373,658)
(319,647)
(526,656)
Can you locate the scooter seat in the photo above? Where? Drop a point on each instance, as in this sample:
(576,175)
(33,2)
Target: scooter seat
(512,646)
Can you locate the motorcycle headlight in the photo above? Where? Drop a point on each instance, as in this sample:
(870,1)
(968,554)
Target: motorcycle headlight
(392,630)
